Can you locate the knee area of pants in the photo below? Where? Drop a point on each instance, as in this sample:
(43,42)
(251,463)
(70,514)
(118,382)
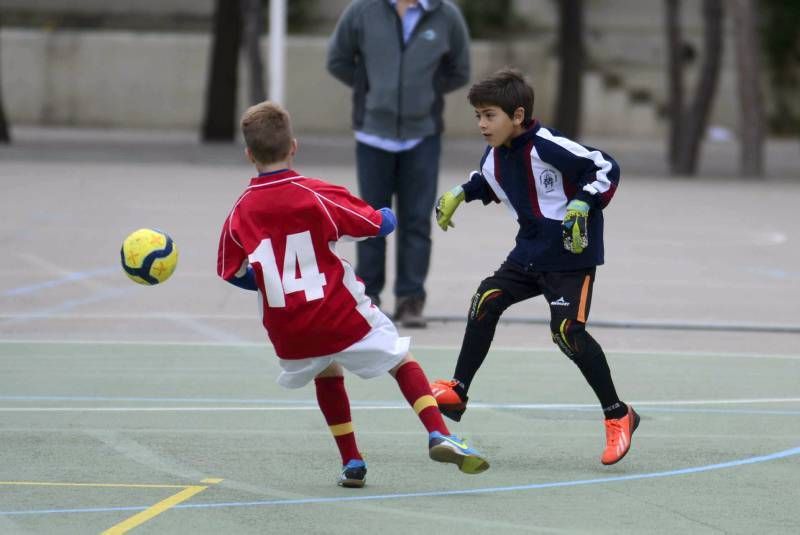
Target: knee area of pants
(563,345)
(570,337)
(485,305)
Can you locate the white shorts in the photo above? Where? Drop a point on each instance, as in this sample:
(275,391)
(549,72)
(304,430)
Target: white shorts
(378,352)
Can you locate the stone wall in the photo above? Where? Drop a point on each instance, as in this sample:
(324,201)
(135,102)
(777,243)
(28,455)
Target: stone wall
(158,80)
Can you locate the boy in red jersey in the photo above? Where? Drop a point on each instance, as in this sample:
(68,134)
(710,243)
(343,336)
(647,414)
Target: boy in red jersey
(279,239)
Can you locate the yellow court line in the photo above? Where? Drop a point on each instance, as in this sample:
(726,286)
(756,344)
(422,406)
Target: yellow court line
(119,485)
(157,509)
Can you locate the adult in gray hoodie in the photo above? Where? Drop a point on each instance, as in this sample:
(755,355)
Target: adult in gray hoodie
(399,57)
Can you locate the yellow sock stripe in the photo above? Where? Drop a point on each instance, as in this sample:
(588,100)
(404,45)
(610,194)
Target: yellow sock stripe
(562,330)
(486,294)
(341,429)
(424,402)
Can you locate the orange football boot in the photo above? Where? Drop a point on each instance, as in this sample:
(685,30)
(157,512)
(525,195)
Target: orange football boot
(618,436)
(450,403)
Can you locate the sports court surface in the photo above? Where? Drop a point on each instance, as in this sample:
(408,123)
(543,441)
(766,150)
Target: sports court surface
(154,410)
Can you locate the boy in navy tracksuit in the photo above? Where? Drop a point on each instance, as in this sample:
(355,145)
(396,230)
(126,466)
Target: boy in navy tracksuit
(556,190)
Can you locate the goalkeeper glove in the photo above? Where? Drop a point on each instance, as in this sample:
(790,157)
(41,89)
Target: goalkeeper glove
(573,228)
(446,206)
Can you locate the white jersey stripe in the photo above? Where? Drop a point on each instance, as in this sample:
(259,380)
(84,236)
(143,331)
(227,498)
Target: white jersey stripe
(347,209)
(230,216)
(549,184)
(601,184)
(356,289)
(317,197)
(488,174)
(230,233)
(320,198)
(265,184)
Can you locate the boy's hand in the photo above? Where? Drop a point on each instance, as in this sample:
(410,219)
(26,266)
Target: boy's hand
(573,228)
(446,206)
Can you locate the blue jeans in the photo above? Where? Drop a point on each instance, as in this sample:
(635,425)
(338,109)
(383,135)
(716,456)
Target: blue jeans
(411,176)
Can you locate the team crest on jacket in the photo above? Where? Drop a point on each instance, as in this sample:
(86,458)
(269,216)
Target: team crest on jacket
(429,35)
(547,179)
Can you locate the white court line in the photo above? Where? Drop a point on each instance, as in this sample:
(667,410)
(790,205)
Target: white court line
(515,349)
(533,406)
(657,324)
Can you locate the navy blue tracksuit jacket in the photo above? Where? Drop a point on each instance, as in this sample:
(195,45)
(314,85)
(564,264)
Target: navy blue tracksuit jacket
(536,177)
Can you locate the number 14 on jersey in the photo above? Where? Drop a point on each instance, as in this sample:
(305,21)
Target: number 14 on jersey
(299,258)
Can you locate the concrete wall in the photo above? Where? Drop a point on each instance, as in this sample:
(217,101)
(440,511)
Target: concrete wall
(139,80)
(103,79)
(158,80)
(193,7)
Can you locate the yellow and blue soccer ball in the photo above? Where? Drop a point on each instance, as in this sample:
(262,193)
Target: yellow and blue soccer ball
(149,256)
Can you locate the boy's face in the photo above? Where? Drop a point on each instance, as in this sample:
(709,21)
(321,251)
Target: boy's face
(496,127)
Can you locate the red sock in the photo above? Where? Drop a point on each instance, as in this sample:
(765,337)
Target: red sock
(414,386)
(335,406)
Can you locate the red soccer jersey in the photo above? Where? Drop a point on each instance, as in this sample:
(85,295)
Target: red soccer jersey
(287,226)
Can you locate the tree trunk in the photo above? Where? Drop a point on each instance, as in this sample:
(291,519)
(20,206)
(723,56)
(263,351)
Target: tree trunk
(253,26)
(696,117)
(5,136)
(751,108)
(571,62)
(674,79)
(219,123)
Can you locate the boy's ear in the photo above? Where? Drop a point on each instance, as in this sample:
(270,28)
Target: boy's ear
(519,116)
(249,155)
(295,144)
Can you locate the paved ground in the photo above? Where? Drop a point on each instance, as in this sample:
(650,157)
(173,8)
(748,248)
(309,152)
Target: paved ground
(114,397)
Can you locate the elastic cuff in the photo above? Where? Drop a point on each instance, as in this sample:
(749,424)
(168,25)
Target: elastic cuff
(458,192)
(471,192)
(388,221)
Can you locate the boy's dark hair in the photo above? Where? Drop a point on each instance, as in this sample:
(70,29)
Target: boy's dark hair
(507,89)
(267,132)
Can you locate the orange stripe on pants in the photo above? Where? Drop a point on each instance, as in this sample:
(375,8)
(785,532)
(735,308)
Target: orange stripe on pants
(582,303)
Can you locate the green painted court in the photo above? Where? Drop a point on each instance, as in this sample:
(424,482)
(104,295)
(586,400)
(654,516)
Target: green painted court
(154,410)
(96,433)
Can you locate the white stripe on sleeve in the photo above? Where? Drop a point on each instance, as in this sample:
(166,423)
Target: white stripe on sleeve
(601,184)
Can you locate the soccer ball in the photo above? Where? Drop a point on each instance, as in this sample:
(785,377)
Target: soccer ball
(148,256)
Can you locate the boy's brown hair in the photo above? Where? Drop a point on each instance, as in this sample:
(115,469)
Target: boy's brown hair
(267,131)
(506,89)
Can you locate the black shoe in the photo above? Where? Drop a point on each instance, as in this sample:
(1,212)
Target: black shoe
(408,312)
(354,474)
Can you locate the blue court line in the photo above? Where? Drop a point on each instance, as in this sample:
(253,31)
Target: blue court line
(218,335)
(68,305)
(71,277)
(175,400)
(488,490)
(775,273)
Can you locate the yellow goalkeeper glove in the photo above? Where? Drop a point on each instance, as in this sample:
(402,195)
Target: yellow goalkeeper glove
(446,206)
(573,228)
